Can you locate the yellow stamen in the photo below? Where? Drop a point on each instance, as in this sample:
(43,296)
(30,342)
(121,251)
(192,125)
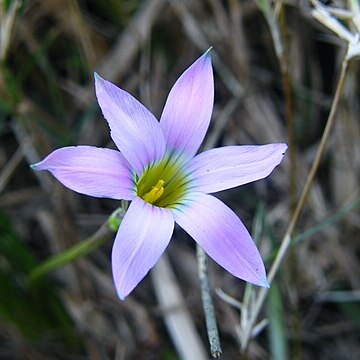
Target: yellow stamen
(155,192)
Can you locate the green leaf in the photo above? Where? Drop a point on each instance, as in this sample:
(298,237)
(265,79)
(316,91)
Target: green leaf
(264,6)
(277,336)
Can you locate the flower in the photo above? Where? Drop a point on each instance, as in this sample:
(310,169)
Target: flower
(156,168)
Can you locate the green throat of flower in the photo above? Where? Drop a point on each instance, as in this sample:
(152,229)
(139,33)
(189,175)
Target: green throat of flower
(163,184)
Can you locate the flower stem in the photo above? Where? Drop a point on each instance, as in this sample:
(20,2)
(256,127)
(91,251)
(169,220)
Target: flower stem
(104,233)
(211,325)
(285,243)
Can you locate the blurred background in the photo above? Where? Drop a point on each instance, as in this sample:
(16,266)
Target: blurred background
(276,70)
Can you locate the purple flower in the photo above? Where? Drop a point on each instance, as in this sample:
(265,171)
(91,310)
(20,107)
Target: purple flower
(156,168)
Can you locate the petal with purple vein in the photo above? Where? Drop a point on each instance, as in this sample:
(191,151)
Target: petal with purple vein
(134,129)
(91,171)
(222,235)
(230,166)
(187,112)
(143,236)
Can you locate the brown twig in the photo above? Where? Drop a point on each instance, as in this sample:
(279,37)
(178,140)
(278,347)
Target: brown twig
(285,243)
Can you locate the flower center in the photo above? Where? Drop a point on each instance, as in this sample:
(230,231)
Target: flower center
(155,192)
(163,184)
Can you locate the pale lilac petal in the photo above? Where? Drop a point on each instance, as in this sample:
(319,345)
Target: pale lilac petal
(143,236)
(187,112)
(91,171)
(217,229)
(135,131)
(224,168)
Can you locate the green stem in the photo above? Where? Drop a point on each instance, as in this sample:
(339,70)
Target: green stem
(104,233)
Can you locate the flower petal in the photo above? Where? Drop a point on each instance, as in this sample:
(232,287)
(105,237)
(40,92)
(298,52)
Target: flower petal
(91,171)
(135,131)
(217,229)
(187,112)
(230,166)
(143,236)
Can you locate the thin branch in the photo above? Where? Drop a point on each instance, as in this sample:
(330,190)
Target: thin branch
(286,241)
(211,325)
(176,315)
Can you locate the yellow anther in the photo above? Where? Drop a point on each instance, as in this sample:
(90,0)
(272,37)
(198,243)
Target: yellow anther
(155,192)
